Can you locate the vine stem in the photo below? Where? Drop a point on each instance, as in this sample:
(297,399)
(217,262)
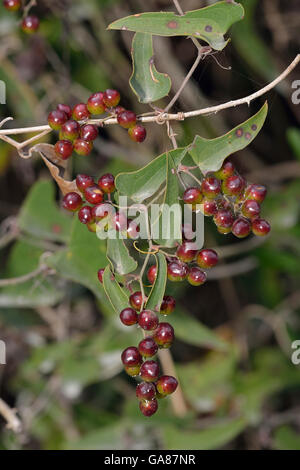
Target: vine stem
(161,117)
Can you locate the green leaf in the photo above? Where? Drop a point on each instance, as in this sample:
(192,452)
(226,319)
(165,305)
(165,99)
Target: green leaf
(286,438)
(116,295)
(209,24)
(142,184)
(82,258)
(209,154)
(158,289)
(118,254)
(40,216)
(147,83)
(293,138)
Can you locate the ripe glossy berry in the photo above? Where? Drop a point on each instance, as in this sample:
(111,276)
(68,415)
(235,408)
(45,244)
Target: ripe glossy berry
(83,182)
(137,133)
(119,109)
(166,385)
(30,24)
(65,108)
(251,209)
(207,258)
(88,132)
(100,275)
(128,316)
(224,220)
(131,356)
(168,305)
(196,276)
(241,227)
(12,5)
(95,104)
(148,408)
(107,183)
(187,251)
(72,202)
(151,273)
(233,185)
(145,391)
(80,112)
(93,194)
(192,196)
(127,119)
(63,149)
(85,215)
(83,147)
(177,271)
(136,300)
(164,335)
(149,371)
(56,119)
(101,210)
(148,347)
(210,207)
(70,130)
(256,192)
(260,227)
(133,371)
(111,98)
(211,187)
(148,320)
(225,171)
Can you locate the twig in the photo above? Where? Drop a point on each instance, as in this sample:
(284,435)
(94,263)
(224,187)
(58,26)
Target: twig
(10,416)
(26,277)
(233,269)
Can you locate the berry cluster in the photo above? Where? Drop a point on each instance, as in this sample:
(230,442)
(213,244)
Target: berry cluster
(30,23)
(234,204)
(75,133)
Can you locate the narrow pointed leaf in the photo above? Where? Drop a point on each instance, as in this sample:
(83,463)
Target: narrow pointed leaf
(118,255)
(158,290)
(116,295)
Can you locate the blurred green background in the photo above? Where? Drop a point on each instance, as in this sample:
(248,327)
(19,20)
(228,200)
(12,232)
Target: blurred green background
(234,334)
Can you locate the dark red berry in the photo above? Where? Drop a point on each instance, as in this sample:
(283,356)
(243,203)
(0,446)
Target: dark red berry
(80,112)
(210,207)
(192,196)
(100,275)
(133,371)
(148,347)
(101,210)
(93,194)
(207,258)
(186,252)
(211,187)
(233,185)
(151,273)
(168,305)
(256,192)
(251,209)
(12,5)
(148,320)
(145,391)
(119,109)
(137,133)
(177,271)
(196,276)
(164,335)
(226,170)
(224,220)
(128,316)
(63,149)
(56,119)
(149,371)
(95,104)
(136,300)
(111,98)
(88,132)
(83,147)
(241,227)
(70,130)
(127,119)
(260,227)
(131,356)
(166,385)
(65,108)
(148,408)
(107,183)
(83,182)
(72,202)
(85,215)
(30,24)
